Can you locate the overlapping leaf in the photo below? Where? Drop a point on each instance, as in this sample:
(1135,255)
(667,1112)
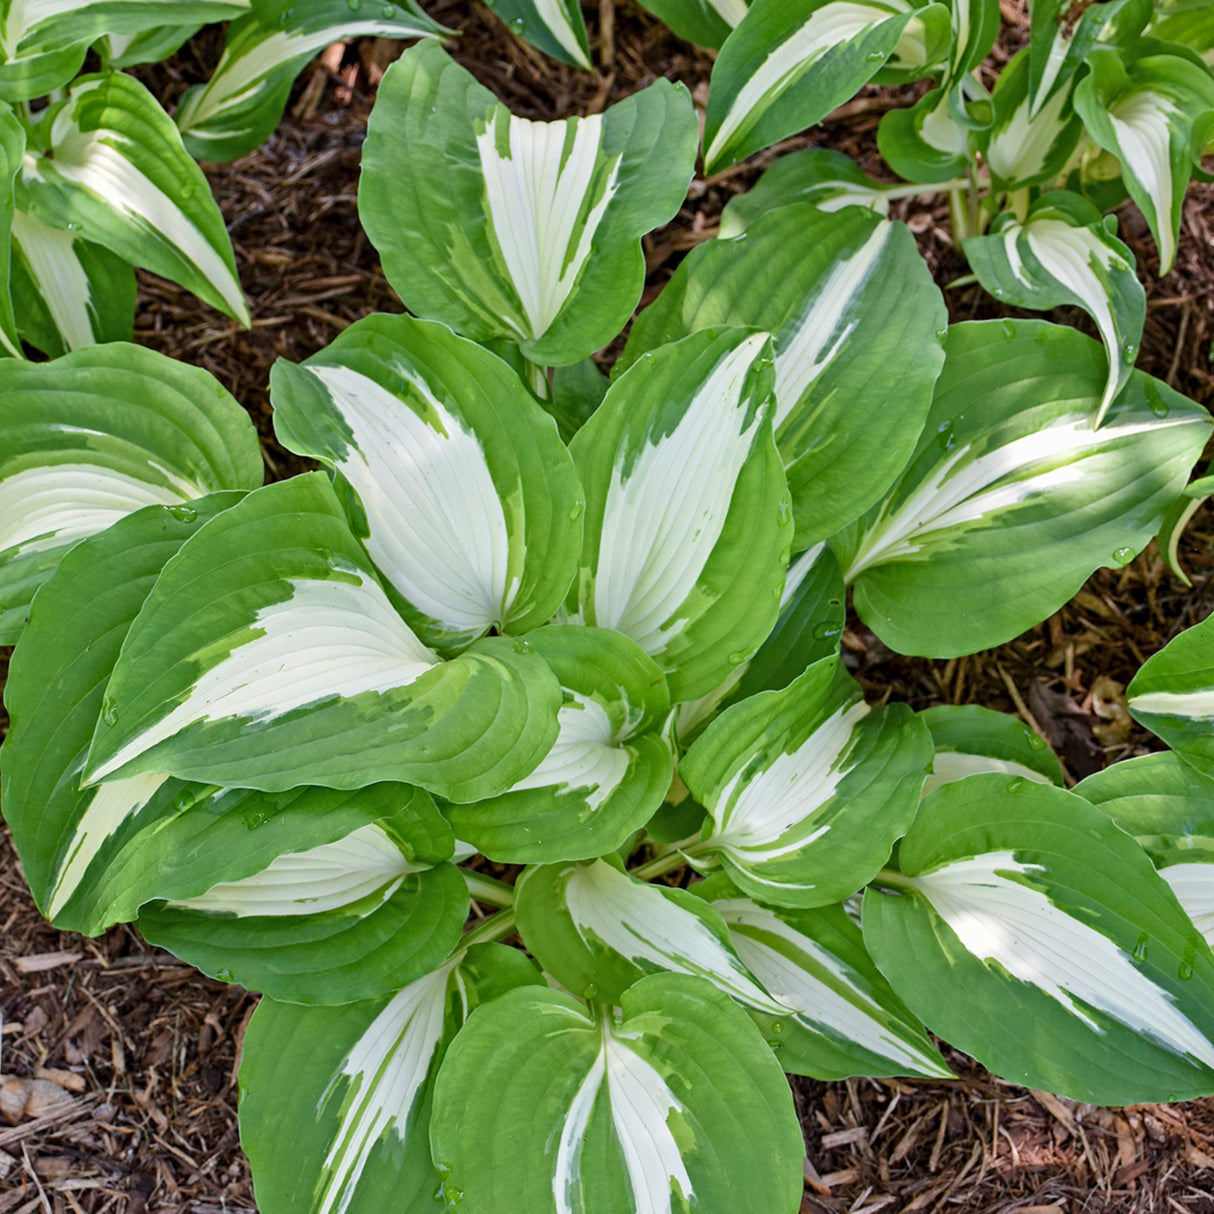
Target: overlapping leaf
(113,169)
(12,149)
(530,231)
(1173,695)
(468,499)
(687,517)
(786,66)
(555,26)
(707,22)
(969,740)
(608,769)
(857,322)
(1065,253)
(1024,914)
(595,1115)
(845,1018)
(1155,113)
(96,434)
(351,1089)
(241,104)
(1012,498)
(294,668)
(43,42)
(807,788)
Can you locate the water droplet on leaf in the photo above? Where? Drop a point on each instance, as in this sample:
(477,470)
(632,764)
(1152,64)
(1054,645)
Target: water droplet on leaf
(591,992)
(183,514)
(823,632)
(109,711)
(875,56)
(1123,556)
(1007,328)
(1017,784)
(739,656)
(575,511)
(521,646)
(354,5)
(1140,948)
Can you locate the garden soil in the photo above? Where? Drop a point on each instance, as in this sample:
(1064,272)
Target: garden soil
(118,1064)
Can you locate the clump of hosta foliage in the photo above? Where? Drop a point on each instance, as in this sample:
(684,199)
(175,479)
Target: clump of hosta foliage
(95,177)
(590,630)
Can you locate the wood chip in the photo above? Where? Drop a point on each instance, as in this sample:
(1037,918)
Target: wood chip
(39,962)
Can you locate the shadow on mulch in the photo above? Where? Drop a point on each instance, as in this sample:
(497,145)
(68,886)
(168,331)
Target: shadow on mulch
(142,1051)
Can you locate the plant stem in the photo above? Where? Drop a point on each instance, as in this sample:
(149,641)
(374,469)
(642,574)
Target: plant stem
(925,191)
(888,876)
(675,858)
(537,380)
(488,889)
(496,927)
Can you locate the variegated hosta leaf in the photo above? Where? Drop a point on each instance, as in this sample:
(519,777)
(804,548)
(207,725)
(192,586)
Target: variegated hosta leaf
(241,104)
(925,143)
(1154,114)
(1059,43)
(1025,915)
(556,27)
(12,149)
(857,322)
(1176,518)
(843,1017)
(812,615)
(969,740)
(294,668)
(596,930)
(807,788)
(96,434)
(687,515)
(146,46)
(707,22)
(608,769)
(54,694)
(1024,147)
(786,66)
(1168,806)
(530,231)
(68,292)
(351,1088)
(596,1113)
(1012,498)
(1173,695)
(353,918)
(828,180)
(1190,25)
(43,42)
(468,499)
(113,169)
(1065,253)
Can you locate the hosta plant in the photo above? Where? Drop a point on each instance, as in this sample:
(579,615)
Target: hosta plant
(555,648)
(99,179)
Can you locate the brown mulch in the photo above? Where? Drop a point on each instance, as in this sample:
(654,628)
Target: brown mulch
(136,1054)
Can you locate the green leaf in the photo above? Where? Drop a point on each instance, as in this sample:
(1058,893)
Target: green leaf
(843,1017)
(1173,695)
(242,103)
(68,292)
(596,930)
(54,696)
(807,788)
(672,1102)
(1168,806)
(146,46)
(1025,917)
(925,143)
(706,22)
(828,180)
(96,434)
(530,231)
(1012,499)
(812,615)
(1024,146)
(786,66)
(113,169)
(607,771)
(351,1089)
(687,517)
(294,668)
(556,27)
(346,920)
(1065,253)
(469,501)
(970,740)
(12,149)
(857,321)
(43,45)
(1155,114)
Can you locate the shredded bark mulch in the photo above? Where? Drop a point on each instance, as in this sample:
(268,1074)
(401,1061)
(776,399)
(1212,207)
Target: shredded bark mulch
(118,1064)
